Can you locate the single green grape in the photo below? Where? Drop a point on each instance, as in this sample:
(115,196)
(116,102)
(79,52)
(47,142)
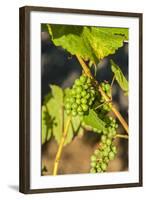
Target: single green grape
(93,158)
(74,113)
(111,155)
(85,107)
(83,79)
(77,82)
(103,166)
(84,101)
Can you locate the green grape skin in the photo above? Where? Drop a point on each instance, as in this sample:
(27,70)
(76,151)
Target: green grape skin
(72,100)
(79,109)
(78,96)
(106,159)
(73,91)
(88,80)
(78,89)
(93,158)
(96,152)
(83,79)
(78,101)
(68,112)
(92,170)
(84,101)
(74,113)
(68,106)
(85,107)
(77,82)
(107,87)
(87,96)
(83,93)
(86,86)
(103,166)
(99,170)
(114,149)
(111,155)
(108,142)
(103,138)
(81,113)
(74,106)
(95,129)
(93,164)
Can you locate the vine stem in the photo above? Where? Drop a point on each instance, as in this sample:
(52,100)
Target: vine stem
(107,99)
(58,155)
(121,136)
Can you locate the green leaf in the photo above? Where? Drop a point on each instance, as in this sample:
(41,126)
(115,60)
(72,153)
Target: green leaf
(120,78)
(56,111)
(91,43)
(46,125)
(94,121)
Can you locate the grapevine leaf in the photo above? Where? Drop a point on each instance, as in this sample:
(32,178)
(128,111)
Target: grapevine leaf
(91,43)
(120,78)
(56,111)
(46,125)
(94,121)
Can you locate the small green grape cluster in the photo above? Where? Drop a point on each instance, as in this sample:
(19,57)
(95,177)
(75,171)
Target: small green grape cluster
(82,96)
(107,89)
(107,150)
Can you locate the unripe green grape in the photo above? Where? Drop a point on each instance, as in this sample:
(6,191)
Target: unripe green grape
(78,96)
(106,159)
(99,170)
(79,109)
(92,170)
(111,155)
(78,89)
(74,106)
(87,96)
(96,152)
(81,113)
(105,153)
(68,111)
(95,130)
(103,166)
(92,91)
(83,79)
(73,91)
(103,138)
(88,80)
(84,101)
(90,103)
(114,149)
(68,106)
(107,87)
(86,86)
(93,158)
(83,93)
(93,164)
(72,99)
(105,132)
(77,82)
(74,113)
(67,99)
(78,101)
(108,142)
(85,107)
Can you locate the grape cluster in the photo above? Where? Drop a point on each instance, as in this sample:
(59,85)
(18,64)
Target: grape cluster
(107,150)
(107,89)
(81,96)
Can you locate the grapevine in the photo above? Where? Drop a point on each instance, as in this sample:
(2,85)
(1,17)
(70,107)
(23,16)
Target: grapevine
(86,105)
